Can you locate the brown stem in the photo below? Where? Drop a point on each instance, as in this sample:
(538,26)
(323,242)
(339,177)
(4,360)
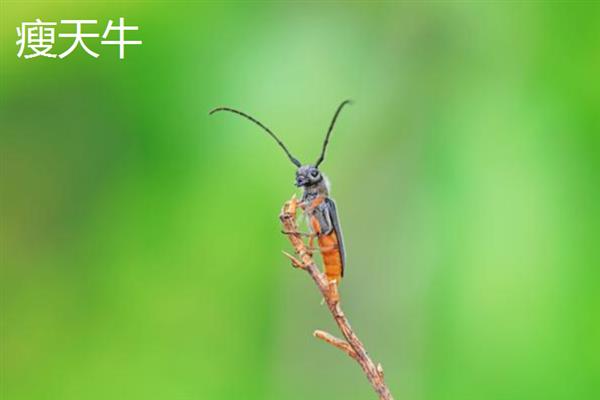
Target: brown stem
(352,346)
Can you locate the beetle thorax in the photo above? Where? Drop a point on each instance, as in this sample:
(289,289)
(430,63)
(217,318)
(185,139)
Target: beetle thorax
(311,192)
(317,189)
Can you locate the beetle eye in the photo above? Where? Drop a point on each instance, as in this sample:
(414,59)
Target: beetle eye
(314,173)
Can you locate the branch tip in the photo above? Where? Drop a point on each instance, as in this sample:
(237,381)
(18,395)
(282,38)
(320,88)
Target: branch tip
(380,369)
(336,342)
(295,262)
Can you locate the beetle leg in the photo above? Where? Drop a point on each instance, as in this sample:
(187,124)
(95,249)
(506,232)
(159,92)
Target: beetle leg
(301,204)
(296,233)
(311,241)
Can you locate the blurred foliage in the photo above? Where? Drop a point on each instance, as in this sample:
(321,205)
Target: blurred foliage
(140,246)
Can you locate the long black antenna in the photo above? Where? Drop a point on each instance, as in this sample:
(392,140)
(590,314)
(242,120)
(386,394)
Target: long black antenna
(326,141)
(257,122)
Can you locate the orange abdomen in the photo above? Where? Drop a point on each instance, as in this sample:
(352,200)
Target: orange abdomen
(330,253)
(332,259)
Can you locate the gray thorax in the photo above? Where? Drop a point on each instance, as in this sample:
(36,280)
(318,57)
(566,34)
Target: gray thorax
(313,191)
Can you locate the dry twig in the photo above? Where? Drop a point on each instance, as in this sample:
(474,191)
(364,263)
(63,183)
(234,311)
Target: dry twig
(351,345)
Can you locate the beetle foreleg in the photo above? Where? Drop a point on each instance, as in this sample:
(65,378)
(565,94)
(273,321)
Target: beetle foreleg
(297,233)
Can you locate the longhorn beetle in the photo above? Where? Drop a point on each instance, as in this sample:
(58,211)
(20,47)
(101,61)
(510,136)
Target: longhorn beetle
(316,203)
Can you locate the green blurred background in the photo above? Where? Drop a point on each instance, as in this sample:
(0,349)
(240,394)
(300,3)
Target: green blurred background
(140,245)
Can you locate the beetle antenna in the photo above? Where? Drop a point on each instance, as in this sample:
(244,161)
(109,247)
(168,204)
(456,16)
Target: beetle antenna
(326,141)
(257,122)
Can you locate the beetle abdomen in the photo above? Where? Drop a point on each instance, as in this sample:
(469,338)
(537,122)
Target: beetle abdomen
(332,259)
(330,252)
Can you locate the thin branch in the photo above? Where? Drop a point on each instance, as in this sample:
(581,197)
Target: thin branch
(304,260)
(339,343)
(295,262)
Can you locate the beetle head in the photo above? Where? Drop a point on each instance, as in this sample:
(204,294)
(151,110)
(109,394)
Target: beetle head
(308,175)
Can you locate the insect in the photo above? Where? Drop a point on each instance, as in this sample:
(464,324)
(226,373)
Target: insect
(316,203)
